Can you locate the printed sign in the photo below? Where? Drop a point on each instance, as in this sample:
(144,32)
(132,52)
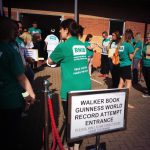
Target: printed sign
(96,112)
(32,53)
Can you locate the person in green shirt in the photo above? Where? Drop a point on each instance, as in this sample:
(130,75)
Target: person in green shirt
(146,64)
(126,55)
(72,56)
(32,30)
(89,51)
(137,57)
(12,84)
(23,51)
(104,56)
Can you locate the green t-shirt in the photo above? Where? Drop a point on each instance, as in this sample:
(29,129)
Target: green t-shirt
(20,42)
(139,52)
(124,51)
(72,56)
(10,67)
(133,42)
(33,30)
(145,61)
(89,52)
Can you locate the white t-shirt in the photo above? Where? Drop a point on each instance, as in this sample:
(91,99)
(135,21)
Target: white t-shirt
(29,45)
(113,45)
(112,49)
(105,43)
(52,41)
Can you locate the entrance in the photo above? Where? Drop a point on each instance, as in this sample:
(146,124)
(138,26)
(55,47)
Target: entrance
(45,22)
(116,25)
